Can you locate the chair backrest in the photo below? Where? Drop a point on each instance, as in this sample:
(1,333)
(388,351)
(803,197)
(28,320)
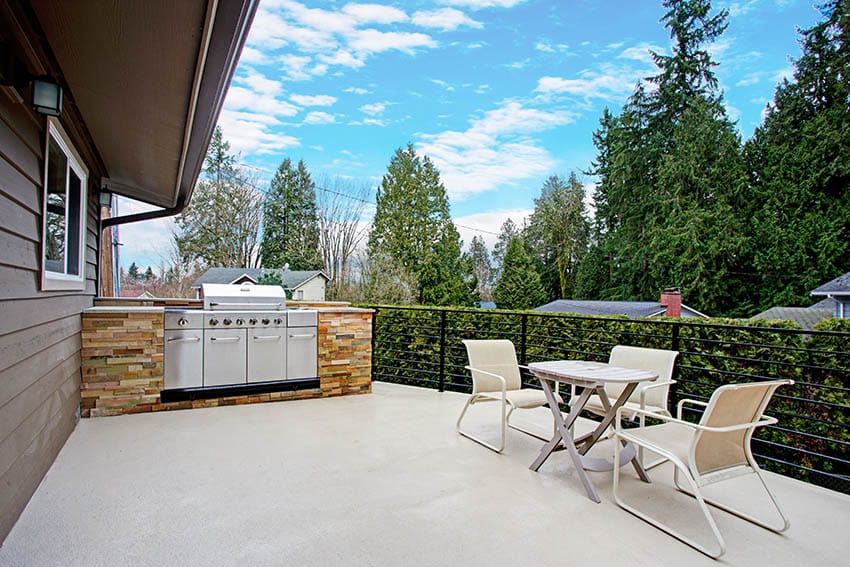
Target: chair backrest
(733,404)
(655,360)
(496,356)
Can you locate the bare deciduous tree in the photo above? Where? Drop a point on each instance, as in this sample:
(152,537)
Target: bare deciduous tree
(342,205)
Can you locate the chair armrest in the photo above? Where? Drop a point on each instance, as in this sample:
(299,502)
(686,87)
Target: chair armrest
(650,386)
(501,378)
(682,403)
(725,429)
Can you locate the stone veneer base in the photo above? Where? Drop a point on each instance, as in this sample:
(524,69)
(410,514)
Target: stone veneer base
(122,361)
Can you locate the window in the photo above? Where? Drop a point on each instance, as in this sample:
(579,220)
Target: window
(64,219)
(299,294)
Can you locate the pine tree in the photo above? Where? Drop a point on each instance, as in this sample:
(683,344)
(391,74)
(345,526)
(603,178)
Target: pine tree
(799,163)
(413,227)
(133,272)
(149,275)
(519,286)
(482,266)
(557,233)
(290,220)
(672,192)
(221,224)
(507,232)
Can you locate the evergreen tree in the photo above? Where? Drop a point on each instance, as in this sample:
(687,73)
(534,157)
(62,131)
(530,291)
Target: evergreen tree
(413,227)
(672,190)
(133,272)
(519,286)
(221,224)
(290,220)
(482,267)
(557,233)
(508,232)
(149,276)
(799,162)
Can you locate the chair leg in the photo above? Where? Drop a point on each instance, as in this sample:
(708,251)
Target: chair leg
(786,523)
(526,431)
(497,448)
(721,544)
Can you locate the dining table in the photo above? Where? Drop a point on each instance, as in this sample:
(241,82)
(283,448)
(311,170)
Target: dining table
(590,378)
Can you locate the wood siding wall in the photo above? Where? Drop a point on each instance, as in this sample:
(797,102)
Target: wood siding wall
(39,331)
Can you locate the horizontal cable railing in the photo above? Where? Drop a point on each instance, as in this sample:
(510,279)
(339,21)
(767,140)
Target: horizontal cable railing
(811,441)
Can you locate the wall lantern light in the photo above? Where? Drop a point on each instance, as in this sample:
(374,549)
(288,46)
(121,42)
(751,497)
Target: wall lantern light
(106,199)
(46,97)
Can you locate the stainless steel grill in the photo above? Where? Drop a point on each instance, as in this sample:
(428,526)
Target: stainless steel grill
(239,338)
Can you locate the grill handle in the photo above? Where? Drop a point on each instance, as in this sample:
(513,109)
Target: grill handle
(184,339)
(268,338)
(310,336)
(244,305)
(225,339)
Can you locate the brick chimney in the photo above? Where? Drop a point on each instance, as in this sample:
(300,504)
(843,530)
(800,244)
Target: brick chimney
(671,298)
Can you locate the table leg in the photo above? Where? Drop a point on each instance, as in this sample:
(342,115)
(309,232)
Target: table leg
(587,441)
(563,436)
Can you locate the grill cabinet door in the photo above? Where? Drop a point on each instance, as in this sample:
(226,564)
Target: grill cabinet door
(224,357)
(184,359)
(266,355)
(302,346)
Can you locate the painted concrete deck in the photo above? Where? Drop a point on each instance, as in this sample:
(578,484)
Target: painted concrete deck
(379,479)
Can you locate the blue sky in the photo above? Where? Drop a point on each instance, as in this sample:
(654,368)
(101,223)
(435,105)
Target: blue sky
(500,94)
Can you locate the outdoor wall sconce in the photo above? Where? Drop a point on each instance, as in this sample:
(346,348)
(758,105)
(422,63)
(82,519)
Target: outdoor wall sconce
(106,199)
(46,96)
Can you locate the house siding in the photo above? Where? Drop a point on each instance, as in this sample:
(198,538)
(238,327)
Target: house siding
(314,290)
(39,331)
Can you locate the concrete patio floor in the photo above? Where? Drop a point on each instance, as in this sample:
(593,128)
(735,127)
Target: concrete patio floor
(379,479)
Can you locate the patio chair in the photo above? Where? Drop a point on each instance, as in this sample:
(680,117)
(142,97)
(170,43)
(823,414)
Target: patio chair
(496,378)
(649,396)
(711,451)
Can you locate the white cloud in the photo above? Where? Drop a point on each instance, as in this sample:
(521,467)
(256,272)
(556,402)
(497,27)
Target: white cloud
(317,117)
(375,41)
(250,133)
(739,8)
(547,46)
(373,109)
(314,100)
(496,150)
(446,19)
(443,84)
(641,52)
(343,58)
(480,4)
(481,89)
(488,225)
(608,82)
(251,56)
(241,98)
(356,90)
(779,76)
(374,13)
(749,79)
(295,67)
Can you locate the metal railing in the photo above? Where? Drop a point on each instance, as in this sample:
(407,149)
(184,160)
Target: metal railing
(811,441)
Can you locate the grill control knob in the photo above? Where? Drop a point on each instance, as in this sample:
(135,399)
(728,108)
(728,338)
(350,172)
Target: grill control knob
(227,321)
(183,321)
(213,322)
(240,322)
(278,321)
(265,321)
(252,321)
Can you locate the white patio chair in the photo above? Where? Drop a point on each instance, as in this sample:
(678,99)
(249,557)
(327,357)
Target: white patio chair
(496,378)
(648,396)
(713,450)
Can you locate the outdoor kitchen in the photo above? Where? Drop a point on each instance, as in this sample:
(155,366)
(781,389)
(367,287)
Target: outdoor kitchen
(240,344)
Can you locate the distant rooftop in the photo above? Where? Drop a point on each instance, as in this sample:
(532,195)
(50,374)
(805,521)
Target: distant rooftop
(290,278)
(838,286)
(629,308)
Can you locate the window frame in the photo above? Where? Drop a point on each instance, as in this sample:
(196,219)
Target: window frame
(50,280)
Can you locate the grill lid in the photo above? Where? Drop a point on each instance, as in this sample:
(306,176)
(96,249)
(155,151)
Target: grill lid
(243,296)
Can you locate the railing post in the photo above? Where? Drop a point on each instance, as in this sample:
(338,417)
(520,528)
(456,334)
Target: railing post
(442,350)
(522,340)
(675,337)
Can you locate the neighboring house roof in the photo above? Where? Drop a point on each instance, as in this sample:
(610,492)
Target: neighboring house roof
(806,317)
(628,308)
(825,303)
(292,279)
(840,286)
(137,291)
